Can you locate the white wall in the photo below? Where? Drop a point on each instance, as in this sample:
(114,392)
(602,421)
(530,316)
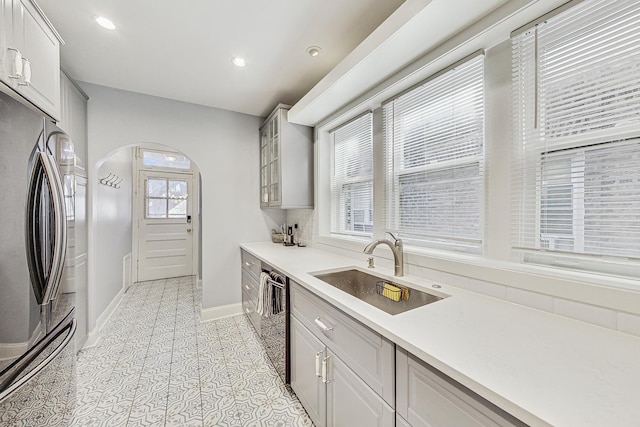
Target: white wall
(111,232)
(224,146)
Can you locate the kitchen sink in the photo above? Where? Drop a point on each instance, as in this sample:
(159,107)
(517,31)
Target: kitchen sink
(368,288)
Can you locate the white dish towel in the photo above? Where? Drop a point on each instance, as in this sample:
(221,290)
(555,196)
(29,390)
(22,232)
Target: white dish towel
(264,295)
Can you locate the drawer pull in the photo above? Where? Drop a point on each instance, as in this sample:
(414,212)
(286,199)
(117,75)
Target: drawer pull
(320,324)
(324,370)
(247,287)
(248,264)
(318,364)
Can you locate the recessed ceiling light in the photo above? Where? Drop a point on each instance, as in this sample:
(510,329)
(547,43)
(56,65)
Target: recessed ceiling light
(313,51)
(105,23)
(239,62)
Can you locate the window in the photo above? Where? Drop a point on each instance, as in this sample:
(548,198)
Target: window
(576,176)
(166,198)
(434,147)
(158,159)
(352,177)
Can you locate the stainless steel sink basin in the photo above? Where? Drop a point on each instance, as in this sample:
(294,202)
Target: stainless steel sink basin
(363,286)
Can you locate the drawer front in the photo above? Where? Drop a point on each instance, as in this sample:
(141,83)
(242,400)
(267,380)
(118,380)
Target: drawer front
(428,398)
(251,264)
(250,284)
(366,352)
(249,308)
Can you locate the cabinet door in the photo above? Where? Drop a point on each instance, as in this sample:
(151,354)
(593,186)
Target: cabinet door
(264,166)
(275,188)
(400,422)
(7,30)
(307,353)
(351,402)
(41,47)
(428,398)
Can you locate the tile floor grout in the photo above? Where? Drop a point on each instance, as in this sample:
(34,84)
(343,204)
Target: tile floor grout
(157,365)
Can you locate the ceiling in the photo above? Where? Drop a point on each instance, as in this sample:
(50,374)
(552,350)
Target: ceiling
(183,50)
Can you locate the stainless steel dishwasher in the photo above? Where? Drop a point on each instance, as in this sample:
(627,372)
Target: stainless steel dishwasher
(274,325)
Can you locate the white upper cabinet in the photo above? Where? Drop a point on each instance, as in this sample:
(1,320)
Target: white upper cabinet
(286,162)
(30,56)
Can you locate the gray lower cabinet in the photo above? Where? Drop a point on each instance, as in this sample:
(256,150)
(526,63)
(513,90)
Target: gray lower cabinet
(307,354)
(425,397)
(251,267)
(330,391)
(401,422)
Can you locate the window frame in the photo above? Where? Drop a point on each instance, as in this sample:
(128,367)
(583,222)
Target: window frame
(530,248)
(395,169)
(338,184)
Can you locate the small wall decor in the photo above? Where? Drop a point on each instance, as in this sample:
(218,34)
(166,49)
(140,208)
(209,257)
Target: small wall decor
(112,180)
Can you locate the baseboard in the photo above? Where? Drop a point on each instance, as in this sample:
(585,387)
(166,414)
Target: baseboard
(126,271)
(214,313)
(13,350)
(93,337)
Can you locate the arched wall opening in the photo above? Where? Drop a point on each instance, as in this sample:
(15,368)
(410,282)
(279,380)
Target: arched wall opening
(225,145)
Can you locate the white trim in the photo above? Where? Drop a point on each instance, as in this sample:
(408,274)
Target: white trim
(13,350)
(126,271)
(220,312)
(93,337)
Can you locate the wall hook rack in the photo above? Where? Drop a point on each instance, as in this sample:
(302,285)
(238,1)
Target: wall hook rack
(112,180)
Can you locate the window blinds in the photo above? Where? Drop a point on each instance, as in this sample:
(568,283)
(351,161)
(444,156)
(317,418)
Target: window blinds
(576,165)
(352,177)
(434,145)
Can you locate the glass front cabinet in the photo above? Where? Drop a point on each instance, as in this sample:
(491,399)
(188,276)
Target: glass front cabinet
(286,162)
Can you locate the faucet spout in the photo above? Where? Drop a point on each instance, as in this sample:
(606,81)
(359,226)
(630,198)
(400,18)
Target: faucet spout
(397,250)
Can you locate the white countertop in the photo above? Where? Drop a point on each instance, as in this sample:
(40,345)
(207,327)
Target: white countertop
(542,368)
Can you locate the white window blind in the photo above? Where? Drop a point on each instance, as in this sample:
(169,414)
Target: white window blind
(576,165)
(434,145)
(352,177)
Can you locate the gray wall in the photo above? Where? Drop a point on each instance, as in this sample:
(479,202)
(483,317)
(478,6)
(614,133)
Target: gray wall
(111,230)
(224,146)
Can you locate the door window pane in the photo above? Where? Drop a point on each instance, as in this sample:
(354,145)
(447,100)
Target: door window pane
(177,189)
(165,160)
(177,208)
(166,198)
(157,187)
(156,208)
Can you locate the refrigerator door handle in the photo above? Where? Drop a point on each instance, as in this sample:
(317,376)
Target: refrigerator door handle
(45,283)
(60,219)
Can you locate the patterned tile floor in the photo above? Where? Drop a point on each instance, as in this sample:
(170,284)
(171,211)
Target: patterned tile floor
(157,365)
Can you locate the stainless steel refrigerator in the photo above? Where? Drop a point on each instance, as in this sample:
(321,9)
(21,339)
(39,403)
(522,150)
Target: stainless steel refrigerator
(37,314)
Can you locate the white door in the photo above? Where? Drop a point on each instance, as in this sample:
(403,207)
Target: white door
(165,225)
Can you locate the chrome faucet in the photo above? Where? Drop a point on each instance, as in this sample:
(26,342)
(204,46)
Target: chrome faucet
(396,248)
